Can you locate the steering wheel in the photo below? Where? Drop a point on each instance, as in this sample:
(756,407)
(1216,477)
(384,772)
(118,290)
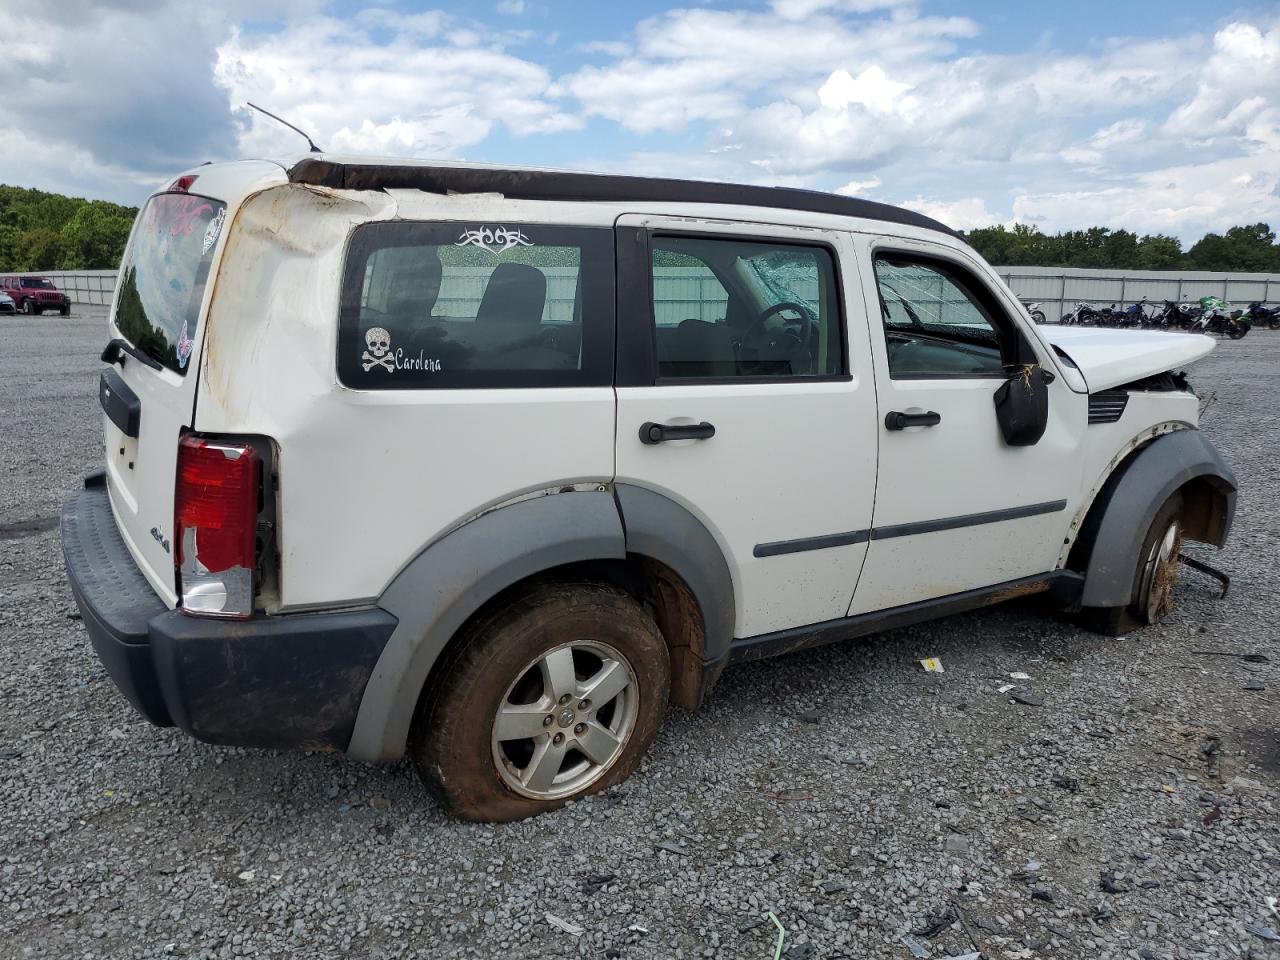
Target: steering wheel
(795,336)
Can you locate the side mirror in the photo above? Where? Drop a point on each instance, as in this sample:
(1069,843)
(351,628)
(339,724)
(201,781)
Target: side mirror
(1022,406)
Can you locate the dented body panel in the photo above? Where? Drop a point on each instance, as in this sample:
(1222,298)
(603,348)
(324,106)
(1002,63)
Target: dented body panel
(1112,358)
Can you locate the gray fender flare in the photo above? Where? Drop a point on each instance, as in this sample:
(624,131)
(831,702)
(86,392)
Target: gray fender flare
(450,580)
(658,527)
(1134,494)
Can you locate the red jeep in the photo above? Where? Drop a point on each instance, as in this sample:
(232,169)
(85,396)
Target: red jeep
(35,294)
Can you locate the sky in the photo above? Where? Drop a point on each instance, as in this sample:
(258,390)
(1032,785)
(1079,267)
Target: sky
(1158,117)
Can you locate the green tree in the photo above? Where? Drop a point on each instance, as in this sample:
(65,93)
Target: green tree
(1158,252)
(94,237)
(39,249)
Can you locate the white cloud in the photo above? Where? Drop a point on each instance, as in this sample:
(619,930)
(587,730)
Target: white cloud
(967,214)
(855,188)
(407,96)
(513,8)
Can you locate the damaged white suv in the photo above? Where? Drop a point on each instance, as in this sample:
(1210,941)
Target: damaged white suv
(487,466)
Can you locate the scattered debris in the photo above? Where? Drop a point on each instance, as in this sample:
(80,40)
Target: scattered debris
(1042,894)
(1209,571)
(572,929)
(672,847)
(810,716)
(1019,676)
(1103,912)
(750,924)
(1026,697)
(1263,933)
(1246,657)
(247,875)
(1212,816)
(594,883)
(1255,685)
(1070,784)
(636,928)
(799,951)
(1112,882)
(832,886)
(935,923)
(957,844)
(10,753)
(1212,757)
(966,956)
(1271,905)
(379,803)
(932,665)
(782,934)
(1004,688)
(915,946)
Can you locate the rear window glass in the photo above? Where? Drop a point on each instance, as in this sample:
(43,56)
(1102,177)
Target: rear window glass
(428,305)
(163,275)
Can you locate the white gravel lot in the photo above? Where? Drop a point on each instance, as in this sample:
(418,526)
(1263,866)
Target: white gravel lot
(905,810)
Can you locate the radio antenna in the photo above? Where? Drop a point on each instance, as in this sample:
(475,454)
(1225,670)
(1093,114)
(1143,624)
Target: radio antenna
(310,142)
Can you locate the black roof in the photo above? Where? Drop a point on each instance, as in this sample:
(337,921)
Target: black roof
(555,185)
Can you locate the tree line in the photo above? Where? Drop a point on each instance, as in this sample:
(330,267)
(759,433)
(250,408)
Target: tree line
(49,231)
(1248,249)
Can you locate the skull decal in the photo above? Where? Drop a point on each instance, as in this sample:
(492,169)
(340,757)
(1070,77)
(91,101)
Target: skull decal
(378,341)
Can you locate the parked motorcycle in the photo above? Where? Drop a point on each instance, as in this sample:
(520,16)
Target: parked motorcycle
(1259,313)
(1215,317)
(1035,309)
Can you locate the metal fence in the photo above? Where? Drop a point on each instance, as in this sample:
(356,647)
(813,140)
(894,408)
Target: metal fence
(1059,289)
(683,292)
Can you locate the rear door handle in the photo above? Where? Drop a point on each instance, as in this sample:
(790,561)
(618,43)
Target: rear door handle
(895,420)
(651,433)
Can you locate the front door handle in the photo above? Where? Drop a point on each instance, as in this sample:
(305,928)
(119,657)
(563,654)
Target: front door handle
(651,433)
(895,420)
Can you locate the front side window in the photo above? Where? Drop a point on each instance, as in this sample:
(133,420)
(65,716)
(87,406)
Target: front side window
(935,323)
(163,275)
(725,308)
(37,283)
(476,305)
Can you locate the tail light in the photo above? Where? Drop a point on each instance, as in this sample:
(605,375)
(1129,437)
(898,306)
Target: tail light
(215,525)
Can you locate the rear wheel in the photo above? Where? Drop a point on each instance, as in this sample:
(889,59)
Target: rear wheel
(554,696)
(1151,597)
(1237,330)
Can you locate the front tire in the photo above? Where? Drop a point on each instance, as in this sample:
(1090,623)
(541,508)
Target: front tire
(1151,596)
(28,308)
(549,698)
(64,311)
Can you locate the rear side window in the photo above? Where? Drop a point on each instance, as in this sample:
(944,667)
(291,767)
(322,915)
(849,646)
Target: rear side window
(733,309)
(163,275)
(438,305)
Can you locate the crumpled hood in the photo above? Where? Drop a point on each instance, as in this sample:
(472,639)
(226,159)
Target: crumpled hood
(1110,358)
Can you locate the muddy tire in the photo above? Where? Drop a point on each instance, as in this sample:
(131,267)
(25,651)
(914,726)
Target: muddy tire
(544,700)
(1151,596)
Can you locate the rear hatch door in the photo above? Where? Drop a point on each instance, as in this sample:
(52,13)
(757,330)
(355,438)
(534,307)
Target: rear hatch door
(148,389)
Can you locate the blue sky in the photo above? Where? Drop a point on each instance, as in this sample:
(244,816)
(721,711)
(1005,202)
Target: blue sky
(1158,117)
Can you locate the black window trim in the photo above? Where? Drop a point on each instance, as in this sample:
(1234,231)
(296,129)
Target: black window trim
(597,359)
(981,295)
(637,328)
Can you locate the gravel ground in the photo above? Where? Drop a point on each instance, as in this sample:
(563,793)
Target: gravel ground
(872,807)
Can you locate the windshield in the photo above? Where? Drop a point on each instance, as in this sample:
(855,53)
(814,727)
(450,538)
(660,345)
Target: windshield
(40,282)
(163,275)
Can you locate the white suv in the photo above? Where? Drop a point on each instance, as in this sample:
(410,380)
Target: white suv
(486,466)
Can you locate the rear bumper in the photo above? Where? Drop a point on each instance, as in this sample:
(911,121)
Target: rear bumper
(271,681)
